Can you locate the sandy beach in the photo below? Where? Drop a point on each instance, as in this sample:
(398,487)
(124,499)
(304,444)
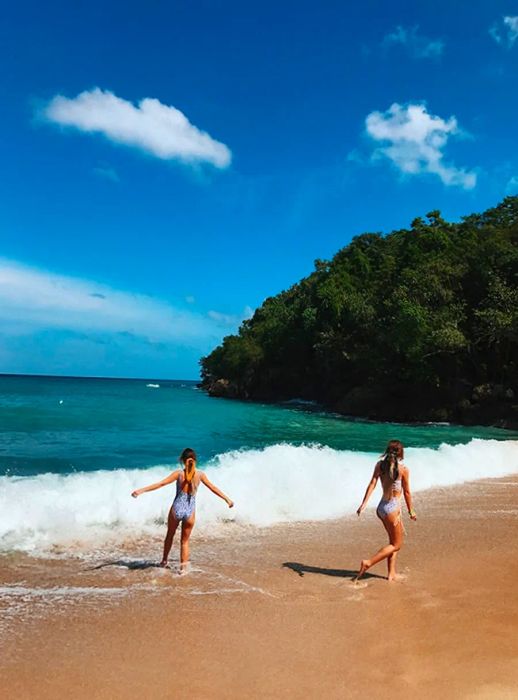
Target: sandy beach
(273,612)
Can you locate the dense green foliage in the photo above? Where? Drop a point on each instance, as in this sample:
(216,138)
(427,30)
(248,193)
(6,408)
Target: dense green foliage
(428,315)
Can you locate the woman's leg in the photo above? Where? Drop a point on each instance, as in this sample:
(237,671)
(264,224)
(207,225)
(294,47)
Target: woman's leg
(391,560)
(172,524)
(393,526)
(391,567)
(187,526)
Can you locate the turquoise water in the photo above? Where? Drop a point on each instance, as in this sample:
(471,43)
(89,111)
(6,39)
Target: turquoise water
(64,425)
(73,450)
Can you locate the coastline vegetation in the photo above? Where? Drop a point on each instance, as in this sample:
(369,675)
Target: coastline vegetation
(420,324)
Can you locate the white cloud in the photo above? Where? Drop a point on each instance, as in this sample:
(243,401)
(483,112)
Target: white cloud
(32,300)
(190,299)
(414,141)
(417,45)
(160,130)
(505,32)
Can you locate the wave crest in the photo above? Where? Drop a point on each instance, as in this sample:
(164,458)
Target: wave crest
(280,483)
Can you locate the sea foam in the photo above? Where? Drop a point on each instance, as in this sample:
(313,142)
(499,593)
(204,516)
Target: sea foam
(280,483)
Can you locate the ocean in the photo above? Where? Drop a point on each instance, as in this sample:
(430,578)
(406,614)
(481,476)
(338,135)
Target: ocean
(73,449)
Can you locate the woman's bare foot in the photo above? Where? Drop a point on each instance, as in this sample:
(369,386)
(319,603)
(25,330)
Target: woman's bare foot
(164,564)
(364,565)
(396,577)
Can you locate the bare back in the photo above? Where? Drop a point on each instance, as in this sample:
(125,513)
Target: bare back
(392,488)
(183,485)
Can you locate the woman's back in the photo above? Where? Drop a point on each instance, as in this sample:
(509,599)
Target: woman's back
(182,485)
(392,486)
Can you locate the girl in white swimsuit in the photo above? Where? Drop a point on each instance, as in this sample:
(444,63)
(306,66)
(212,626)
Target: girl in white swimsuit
(394,478)
(183,509)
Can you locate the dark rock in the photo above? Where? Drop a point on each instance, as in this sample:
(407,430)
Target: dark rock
(491,404)
(223,388)
(362,400)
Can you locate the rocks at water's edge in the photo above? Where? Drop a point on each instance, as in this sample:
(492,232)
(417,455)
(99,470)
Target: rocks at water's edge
(484,404)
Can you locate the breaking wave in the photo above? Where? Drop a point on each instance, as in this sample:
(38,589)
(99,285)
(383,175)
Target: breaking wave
(280,483)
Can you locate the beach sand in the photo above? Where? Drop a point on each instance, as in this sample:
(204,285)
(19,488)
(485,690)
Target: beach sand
(273,613)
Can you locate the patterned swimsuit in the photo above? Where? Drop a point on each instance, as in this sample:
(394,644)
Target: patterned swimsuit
(389,506)
(184,503)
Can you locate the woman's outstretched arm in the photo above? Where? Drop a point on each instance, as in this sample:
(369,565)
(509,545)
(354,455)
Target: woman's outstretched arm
(153,487)
(370,488)
(405,483)
(215,490)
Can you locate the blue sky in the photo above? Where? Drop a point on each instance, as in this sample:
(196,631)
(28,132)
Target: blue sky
(167,166)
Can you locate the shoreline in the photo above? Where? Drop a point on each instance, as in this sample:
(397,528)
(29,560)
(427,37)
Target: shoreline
(334,409)
(273,611)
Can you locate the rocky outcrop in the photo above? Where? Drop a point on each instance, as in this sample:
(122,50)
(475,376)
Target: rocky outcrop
(484,404)
(222,388)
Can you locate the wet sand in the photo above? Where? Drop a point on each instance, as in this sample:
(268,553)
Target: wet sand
(269,613)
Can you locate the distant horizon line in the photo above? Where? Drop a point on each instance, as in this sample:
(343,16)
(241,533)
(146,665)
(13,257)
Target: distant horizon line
(79,376)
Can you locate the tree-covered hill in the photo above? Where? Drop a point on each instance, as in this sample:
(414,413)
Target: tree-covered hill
(420,324)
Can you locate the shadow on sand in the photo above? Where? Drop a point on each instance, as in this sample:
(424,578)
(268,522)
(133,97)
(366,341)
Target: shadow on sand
(132,565)
(302,569)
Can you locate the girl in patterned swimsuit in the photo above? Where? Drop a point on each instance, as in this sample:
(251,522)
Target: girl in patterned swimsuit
(394,478)
(183,509)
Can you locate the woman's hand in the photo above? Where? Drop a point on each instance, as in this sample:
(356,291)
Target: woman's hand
(413,515)
(230,503)
(136,493)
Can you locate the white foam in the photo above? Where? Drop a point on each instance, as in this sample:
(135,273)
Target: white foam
(58,591)
(281,483)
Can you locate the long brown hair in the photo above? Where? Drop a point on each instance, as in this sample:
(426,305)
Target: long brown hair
(390,460)
(188,459)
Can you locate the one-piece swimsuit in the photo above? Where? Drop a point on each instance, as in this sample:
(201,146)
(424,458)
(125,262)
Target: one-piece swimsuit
(184,503)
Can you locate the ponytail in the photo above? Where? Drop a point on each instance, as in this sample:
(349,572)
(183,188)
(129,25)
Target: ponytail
(390,460)
(188,459)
